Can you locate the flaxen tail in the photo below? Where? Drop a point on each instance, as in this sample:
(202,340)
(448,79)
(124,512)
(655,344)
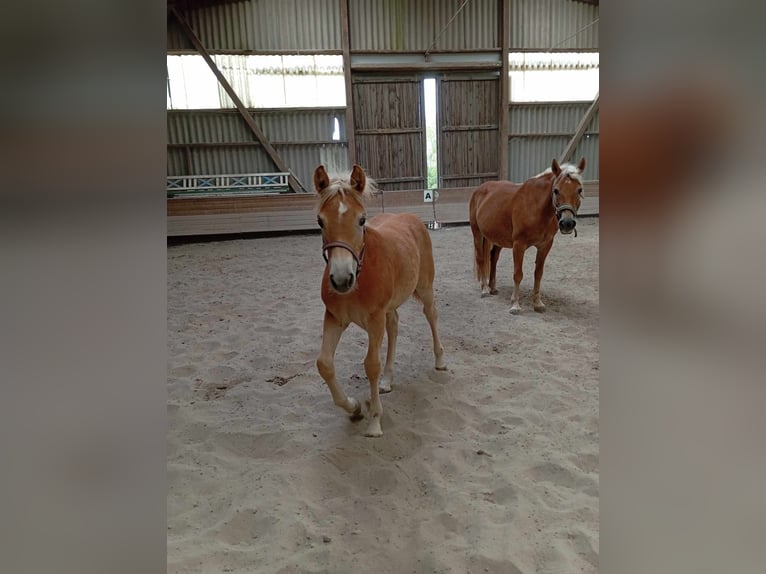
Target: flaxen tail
(481,245)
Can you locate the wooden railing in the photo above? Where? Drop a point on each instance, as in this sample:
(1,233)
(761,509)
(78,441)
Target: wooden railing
(297,211)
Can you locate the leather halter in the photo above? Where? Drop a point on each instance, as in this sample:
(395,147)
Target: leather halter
(359,259)
(564,206)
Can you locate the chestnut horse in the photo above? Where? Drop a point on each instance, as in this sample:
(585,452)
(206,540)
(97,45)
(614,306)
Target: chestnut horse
(518,216)
(372,268)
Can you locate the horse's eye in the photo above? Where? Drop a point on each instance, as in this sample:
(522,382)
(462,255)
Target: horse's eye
(555,191)
(579,191)
(320,222)
(362,220)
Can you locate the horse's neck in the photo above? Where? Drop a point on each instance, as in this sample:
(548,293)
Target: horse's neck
(372,239)
(539,194)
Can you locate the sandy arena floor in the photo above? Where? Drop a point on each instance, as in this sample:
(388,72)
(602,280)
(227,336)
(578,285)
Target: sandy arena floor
(491,466)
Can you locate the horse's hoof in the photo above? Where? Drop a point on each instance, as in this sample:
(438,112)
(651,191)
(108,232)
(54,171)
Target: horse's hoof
(493,291)
(384,388)
(356,417)
(374,430)
(441,367)
(540,308)
(483,294)
(515,310)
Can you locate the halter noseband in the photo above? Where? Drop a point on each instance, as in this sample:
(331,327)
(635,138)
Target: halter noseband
(359,259)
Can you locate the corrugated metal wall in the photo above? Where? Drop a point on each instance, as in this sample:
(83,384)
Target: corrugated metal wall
(263,25)
(543,25)
(302,137)
(402,25)
(380,25)
(540,131)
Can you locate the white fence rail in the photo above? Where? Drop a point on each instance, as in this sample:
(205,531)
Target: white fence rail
(227,184)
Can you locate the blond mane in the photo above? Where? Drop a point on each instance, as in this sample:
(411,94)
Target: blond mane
(566,169)
(339,184)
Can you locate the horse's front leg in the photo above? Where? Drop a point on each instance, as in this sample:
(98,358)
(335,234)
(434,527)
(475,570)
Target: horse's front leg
(375,329)
(331,333)
(542,253)
(392,332)
(518,274)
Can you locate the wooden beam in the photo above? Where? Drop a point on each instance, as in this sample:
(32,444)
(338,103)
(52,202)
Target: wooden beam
(427,67)
(504,111)
(275,157)
(345,39)
(581,127)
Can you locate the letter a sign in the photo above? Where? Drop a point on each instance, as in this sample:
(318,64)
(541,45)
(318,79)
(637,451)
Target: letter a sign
(428,195)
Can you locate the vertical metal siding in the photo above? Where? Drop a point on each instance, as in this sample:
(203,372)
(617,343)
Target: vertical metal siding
(537,118)
(215,126)
(531,154)
(588,148)
(542,24)
(263,25)
(400,25)
(291,127)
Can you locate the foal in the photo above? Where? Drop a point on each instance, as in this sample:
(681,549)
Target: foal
(372,268)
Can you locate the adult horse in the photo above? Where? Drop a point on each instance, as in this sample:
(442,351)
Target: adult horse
(518,216)
(372,268)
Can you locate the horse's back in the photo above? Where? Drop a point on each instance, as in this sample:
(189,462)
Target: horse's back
(402,226)
(408,240)
(490,209)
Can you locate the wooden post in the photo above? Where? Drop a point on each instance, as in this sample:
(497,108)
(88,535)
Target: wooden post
(345,38)
(268,148)
(504,123)
(581,127)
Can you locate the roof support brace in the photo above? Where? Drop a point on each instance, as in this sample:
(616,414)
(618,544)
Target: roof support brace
(295,185)
(346,45)
(580,131)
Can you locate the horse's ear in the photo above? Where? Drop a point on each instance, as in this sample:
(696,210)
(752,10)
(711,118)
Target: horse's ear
(358,179)
(581,165)
(321,179)
(555,167)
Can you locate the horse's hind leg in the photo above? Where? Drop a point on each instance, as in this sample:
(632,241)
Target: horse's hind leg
(481,257)
(494,256)
(392,331)
(426,295)
(542,253)
(331,333)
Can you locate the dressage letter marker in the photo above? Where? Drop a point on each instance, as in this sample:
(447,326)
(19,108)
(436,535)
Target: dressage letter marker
(428,196)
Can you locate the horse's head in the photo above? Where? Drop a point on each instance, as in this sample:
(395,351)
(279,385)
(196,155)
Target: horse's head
(567,193)
(341,215)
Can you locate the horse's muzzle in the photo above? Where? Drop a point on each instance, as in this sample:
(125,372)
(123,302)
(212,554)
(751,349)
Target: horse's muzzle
(567,225)
(342,283)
